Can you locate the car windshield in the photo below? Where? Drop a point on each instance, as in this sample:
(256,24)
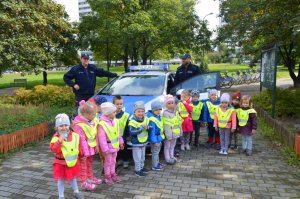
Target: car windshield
(135,85)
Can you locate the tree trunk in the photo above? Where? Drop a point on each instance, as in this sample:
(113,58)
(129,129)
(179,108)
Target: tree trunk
(45,80)
(135,56)
(126,58)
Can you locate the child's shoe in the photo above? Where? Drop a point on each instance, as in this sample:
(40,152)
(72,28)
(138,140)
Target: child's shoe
(225,152)
(125,164)
(116,178)
(171,162)
(140,173)
(78,195)
(248,153)
(157,168)
(161,165)
(221,152)
(242,151)
(187,146)
(108,180)
(94,180)
(218,147)
(87,186)
(182,147)
(144,170)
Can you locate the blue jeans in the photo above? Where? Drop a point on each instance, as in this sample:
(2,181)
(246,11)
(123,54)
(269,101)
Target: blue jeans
(247,142)
(138,153)
(155,149)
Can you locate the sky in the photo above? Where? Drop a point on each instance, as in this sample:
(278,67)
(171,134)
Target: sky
(203,8)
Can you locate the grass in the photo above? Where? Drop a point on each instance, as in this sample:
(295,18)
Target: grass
(56,77)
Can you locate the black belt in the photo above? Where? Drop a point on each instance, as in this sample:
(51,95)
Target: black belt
(108,141)
(60,158)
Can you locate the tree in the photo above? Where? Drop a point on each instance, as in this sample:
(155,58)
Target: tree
(257,24)
(33,35)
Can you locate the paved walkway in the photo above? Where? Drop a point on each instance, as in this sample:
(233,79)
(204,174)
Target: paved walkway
(199,173)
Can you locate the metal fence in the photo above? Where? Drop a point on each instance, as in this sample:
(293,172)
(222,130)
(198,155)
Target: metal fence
(287,136)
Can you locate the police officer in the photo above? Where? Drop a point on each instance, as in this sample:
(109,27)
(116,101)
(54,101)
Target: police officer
(84,75)
(186,70)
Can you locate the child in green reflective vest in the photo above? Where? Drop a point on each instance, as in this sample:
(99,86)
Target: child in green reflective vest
(196,115)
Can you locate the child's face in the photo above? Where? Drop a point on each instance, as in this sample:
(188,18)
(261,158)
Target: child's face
(171,105)
(245,103)
(139,113)
(184,97)
(213,97)
(112,115)
(235,102)
(157,112)
(90,116)
(195,98)
(224,104)
(119,104)
(63,128)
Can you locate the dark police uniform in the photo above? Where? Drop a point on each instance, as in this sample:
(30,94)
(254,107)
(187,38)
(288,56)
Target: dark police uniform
(183,73)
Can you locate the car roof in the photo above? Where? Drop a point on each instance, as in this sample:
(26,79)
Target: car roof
(141,73)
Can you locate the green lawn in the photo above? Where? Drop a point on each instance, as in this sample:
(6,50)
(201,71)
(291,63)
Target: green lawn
(56,77)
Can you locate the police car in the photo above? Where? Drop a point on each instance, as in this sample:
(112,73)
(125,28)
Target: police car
(149,83)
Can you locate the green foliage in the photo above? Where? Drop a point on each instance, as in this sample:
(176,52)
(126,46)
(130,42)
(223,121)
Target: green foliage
(286,102)
(48,95)
(291,156)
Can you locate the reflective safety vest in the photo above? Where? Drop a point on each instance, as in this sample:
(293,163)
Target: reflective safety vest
(143,136)
(122,122)
(70,150)
(90,133)
(174,123)
(211,109)
(159,124)
(223,117)
(112,133)
(182,110)
(197,111)
(243,115)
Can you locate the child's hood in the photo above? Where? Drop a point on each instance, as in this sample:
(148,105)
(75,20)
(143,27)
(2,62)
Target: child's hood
(79,119)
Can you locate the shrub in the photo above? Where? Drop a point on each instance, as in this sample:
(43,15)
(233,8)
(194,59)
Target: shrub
(48,95)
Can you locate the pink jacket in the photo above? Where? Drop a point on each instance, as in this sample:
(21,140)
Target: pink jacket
(231,124)
(86,149)
(187,125)
(102,138)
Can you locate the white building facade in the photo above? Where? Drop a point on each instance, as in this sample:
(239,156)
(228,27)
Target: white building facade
(84,8)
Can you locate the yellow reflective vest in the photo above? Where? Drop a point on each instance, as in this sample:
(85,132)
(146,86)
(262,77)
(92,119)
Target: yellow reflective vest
(143,136)
(122,122)
(197,111)
(90,133)
(223,117)
(182,110)
(112,133)
(159,124)
(211,109)
(243,115)
(174,123)
(70,150)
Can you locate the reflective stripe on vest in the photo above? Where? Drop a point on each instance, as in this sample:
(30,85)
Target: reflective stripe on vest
(112,133)
(122,122)
(143,136)
(70,149)
(243,115)
(90,133)
(159,124)
(182,110)
(174,123)
(197,111)
(211,109)
(223,117)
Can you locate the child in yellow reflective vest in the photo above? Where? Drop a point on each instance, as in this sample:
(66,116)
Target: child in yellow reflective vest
(235,102)
(123,120)
(196,115)
(247,123)
(225,122)
(65,145)
(86,126)
(172,128)
(110,141)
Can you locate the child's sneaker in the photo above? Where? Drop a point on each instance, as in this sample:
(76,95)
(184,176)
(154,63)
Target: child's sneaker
(144,170)
(187,146)
(225,152)
(182,147)
(171,162)
(248,153)
(78,195)
(116,178)
(242,151)
(157,168)
(108,180)
(221,152)
(161,165)
(125,164)
(87,186)
(140,173)
(94,180)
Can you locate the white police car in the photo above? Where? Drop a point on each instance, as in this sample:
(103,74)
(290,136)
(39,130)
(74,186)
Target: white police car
(152,82)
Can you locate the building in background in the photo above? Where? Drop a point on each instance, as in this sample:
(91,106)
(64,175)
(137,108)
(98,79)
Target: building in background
(84,8)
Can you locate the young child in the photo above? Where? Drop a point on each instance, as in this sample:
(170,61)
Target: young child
(185,108)
(196,113)
(172,128)
(65,145)
(209,111)
(224,122)
(156,133)
(138,128)
(123,120)
(247,123)
(110,141)
(235,103)
(86,127)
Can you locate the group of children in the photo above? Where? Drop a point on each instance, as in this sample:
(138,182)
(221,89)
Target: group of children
(103,127)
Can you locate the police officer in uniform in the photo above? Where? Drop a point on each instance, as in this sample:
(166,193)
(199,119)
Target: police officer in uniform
(186,70)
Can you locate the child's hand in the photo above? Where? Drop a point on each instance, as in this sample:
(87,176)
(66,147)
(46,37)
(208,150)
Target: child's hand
(253,132)
(145,127)
(61,138)
(122,146)
(233,130)
(216,128)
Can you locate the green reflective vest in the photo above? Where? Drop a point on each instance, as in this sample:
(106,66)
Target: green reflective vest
(174,123)
(112,133)
(159,124)
(223,117)
(243,115)
(143,136)
(197,111)
(182,110)
(90,133)
(211,109)
(122,122)
(70,150)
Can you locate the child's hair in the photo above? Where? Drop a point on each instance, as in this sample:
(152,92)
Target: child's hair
(117,97)
(246,98)
(186,92)
(86,107)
